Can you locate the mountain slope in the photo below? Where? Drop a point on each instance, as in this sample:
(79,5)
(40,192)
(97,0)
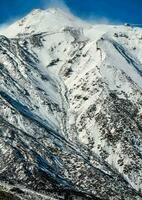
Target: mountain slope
(70,117)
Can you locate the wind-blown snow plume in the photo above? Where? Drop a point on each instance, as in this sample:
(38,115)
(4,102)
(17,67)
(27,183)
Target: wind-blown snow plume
(56,4)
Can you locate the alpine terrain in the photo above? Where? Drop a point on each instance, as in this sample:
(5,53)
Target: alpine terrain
(70,109)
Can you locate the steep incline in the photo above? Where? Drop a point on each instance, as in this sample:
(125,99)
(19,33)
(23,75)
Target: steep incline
(71,108)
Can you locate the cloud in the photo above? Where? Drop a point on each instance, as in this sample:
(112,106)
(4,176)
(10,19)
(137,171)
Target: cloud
(90,19)
(101,20)
(56,4)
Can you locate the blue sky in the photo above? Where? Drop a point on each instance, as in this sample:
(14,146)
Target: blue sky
(110,10)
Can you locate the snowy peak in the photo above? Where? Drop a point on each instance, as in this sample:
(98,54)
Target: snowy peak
(40,20)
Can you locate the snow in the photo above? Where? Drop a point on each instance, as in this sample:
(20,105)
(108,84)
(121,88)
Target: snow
(61,91)
(42,21)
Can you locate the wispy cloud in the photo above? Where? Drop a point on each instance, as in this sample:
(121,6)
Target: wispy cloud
(101,20)
(93,19)
(56,4)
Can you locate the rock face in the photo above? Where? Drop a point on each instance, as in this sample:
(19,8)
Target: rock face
(70,109)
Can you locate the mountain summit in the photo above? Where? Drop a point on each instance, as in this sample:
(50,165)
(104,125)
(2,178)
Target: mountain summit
(39,20)
(71,109)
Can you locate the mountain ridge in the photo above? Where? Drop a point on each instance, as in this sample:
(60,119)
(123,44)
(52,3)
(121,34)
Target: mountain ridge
(70,118)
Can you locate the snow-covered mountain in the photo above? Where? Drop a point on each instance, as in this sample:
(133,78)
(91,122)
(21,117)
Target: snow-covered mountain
(70,109)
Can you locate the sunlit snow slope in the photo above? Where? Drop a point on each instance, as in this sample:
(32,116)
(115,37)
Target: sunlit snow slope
(70,108)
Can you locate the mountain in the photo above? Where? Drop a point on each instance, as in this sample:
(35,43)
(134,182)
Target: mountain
(70,109)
